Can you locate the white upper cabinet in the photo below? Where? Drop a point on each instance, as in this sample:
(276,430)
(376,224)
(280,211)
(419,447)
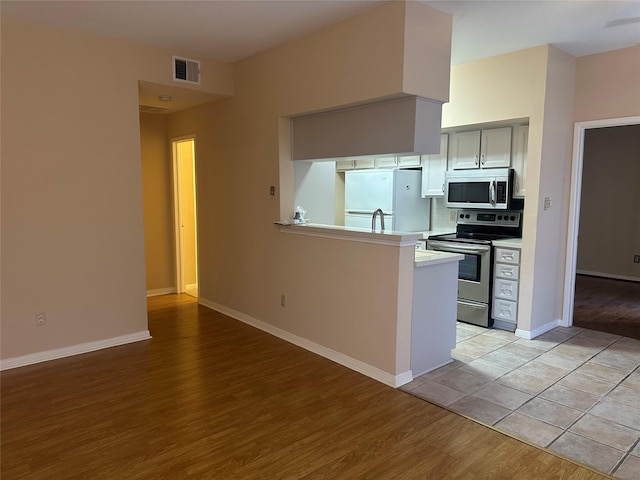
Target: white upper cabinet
(519,160)
(464,150)
(409,161)
(489,148)
(433,168)
(364,163)
(386,162)
(495,148)
(342,165)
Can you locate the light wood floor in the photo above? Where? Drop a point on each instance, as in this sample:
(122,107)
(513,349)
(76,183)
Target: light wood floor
(209,397)
(607,305)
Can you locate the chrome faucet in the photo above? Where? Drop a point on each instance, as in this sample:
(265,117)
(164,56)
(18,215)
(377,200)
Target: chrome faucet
(373,219)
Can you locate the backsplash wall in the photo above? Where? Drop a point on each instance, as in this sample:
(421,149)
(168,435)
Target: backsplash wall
(441,216)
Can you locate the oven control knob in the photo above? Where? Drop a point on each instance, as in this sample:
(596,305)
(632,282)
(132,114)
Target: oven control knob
(462,215)
(499,217)
(512,218)
(467,215)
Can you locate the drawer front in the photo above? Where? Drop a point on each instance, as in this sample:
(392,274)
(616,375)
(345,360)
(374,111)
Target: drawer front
(505,289)
(504,270)
(507,255)
(505,310)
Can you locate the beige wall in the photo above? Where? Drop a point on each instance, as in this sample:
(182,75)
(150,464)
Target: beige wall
(157,180)
(341,295)
(519,85)
(72,198)
(610,202)
(547,295)
(77,138)
(552,89)
(608,85)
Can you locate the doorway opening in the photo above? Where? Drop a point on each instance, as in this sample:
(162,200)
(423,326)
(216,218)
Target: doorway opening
(185,214)
(575,204)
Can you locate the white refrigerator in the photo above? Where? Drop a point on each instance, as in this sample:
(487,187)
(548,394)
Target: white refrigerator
(396,192)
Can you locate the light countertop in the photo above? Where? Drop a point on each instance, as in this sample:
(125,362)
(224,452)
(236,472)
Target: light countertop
(508,243)
(429,258)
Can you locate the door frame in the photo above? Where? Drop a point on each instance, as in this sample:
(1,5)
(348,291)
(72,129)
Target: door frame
(177,209)
(574,206)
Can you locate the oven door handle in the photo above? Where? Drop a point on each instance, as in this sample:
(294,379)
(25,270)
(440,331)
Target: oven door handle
(447,247)
(479,306)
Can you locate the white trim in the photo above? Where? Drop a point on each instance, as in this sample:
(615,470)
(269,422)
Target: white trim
(608,275)
(395,239)
(431,369)
(177,207)
(530,335)
(574,207)
(73,350)
(349,362)
(160,291)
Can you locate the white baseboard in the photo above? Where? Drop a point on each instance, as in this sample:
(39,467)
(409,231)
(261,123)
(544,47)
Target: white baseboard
(344,360)
(160,291)
(431,369)
(530,335)
(73,350)
(608,275)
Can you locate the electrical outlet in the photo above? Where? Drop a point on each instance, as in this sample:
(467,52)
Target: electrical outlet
(41,319)
(636,259)
(282,300)
(452,215)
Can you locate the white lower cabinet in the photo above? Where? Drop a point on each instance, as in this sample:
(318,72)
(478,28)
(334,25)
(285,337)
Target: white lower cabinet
(506,274)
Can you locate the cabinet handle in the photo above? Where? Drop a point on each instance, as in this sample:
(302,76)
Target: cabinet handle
(483,160)
(476,160)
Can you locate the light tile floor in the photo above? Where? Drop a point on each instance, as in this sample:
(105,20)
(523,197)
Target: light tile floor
(571,390)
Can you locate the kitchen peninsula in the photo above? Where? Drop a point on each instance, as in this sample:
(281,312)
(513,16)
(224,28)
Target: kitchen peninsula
(398,319)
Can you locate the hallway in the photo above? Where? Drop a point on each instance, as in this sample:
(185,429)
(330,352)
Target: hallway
(607,305)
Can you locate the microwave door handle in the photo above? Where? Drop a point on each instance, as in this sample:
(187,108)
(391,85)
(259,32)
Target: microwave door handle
(492,192)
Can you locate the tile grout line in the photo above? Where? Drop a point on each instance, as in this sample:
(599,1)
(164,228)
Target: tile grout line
(624,457)
(582,415)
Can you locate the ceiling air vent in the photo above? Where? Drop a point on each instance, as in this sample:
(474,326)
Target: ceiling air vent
(185,70)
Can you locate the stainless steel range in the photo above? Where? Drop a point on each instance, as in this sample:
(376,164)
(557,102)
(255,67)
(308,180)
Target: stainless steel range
(475,231)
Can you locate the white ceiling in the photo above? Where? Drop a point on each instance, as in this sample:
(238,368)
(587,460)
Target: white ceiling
(232,30)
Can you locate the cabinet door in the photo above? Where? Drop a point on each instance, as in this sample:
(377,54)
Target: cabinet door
(464,150)
(507,255)
(505,310)
(409,161)
(433,168)
(519,160)
(503,270)
(505,289)
(495,148)
(364,163)
(342,165)
(382,162)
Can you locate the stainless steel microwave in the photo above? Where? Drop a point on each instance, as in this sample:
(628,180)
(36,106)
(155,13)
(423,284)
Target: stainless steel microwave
(484,188)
